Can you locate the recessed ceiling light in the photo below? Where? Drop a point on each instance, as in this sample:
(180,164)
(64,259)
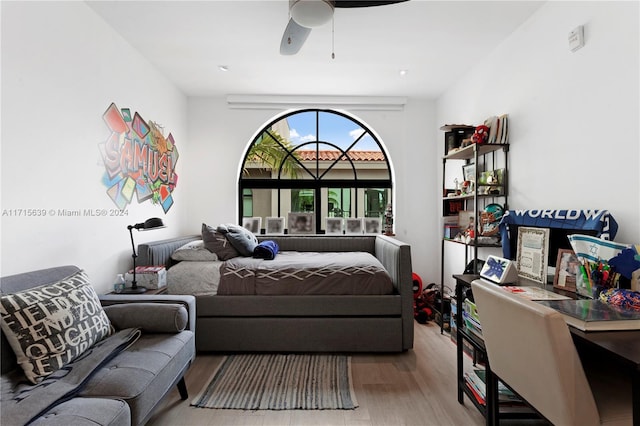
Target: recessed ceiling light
(403,72)
(223,67)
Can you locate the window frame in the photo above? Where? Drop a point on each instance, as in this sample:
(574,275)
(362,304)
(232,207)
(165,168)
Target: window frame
(317,182)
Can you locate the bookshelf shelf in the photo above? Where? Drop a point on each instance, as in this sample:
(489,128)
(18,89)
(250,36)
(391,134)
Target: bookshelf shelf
(485,166)
(512,408)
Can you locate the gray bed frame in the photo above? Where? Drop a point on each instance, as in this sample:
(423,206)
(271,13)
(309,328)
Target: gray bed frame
(309,323)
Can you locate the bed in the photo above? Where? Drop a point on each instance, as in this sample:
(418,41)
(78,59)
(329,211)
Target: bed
(319,294)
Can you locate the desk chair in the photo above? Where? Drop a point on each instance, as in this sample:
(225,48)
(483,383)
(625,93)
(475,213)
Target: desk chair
(529,348)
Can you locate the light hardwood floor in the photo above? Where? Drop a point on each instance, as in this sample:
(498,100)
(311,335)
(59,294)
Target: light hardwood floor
(413,388)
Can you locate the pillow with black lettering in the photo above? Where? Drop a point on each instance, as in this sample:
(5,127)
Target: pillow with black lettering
(51,325)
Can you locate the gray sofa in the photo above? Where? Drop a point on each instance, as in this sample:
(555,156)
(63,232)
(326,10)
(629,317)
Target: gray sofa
(306,323)
(127,388)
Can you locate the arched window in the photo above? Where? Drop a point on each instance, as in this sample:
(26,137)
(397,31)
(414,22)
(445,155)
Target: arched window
(322,163)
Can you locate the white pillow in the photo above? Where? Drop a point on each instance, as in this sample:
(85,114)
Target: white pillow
(194,251)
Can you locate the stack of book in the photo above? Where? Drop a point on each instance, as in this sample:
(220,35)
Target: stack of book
(498,128)
(476,382)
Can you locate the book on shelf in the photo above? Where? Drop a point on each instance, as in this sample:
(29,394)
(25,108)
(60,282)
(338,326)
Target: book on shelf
(595,315)
(504,393)
(478,390)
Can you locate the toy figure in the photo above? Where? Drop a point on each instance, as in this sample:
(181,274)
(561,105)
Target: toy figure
(388,220)
(481,134)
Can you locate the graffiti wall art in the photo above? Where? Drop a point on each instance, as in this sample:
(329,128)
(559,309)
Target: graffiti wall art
(138,159)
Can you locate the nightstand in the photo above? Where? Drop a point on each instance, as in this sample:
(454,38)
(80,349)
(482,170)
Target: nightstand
(149,292)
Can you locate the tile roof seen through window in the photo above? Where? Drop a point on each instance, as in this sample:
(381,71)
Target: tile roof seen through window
(310,155)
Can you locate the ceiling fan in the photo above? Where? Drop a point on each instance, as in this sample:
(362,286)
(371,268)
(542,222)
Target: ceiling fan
(308,14)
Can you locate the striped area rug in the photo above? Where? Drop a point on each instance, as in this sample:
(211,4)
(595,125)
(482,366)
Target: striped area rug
(280,382)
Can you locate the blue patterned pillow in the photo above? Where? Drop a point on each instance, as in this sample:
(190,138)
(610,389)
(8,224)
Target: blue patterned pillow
(51,325)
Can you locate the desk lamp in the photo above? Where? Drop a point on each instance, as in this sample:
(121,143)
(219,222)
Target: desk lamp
(147,225)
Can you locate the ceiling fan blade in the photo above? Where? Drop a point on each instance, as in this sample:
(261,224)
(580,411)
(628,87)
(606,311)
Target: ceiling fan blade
(293,38)
(365,3)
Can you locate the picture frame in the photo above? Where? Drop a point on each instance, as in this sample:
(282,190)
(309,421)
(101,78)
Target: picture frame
(466,219)
(372,225)
(353,225)
(253,224)
(274,225)
(301,223)
(491,177)
(567,270)
(469,172)
(333,225)
(531,253)
(499,270)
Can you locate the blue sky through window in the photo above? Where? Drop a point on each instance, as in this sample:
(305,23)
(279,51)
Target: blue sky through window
(333,128)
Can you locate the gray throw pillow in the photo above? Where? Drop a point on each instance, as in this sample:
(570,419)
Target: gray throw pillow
(217,243)
(51,325)
(194,251)
(241,238)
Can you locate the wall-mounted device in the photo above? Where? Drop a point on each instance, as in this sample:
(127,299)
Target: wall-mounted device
(576,38)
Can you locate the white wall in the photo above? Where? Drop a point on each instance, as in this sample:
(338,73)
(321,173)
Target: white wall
(574,122)
(219,136)
(573,116)
(62,66)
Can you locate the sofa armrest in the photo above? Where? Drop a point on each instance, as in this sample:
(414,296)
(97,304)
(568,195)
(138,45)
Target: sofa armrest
(149,317)
(189,303)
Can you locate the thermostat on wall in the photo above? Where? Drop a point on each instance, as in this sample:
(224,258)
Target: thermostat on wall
(576,38)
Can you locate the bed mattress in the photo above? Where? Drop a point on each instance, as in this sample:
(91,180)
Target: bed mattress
(290,273)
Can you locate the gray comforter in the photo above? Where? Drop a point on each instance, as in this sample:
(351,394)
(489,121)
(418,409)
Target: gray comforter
(304,273)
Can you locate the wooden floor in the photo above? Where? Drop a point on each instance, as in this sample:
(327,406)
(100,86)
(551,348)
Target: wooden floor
(412,388)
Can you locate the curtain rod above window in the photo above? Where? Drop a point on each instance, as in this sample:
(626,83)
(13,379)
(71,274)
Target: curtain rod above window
(361,103)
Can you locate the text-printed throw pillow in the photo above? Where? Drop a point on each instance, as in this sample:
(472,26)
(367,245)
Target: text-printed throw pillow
(51,325)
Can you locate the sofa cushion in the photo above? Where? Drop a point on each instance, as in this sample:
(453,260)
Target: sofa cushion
(51,325)
(87,411)
(194,251)
(142,374)
(149,317)
(240,238)
(217,243)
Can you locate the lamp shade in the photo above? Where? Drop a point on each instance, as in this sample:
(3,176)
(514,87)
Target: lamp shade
(311,13)
(152,223)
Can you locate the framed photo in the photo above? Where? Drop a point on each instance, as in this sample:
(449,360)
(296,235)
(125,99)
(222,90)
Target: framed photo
(491,177)
(567,270)
(333,225)
(353,225)
(531,255)
(372,225)
(469,172)
(301,223)
(499,270)
(253,224)
(466,219)
(274,225)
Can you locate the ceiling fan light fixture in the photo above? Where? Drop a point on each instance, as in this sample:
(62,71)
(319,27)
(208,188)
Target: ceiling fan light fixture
(311,13)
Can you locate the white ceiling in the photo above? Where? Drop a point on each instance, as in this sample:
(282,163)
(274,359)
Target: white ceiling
(436,41)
